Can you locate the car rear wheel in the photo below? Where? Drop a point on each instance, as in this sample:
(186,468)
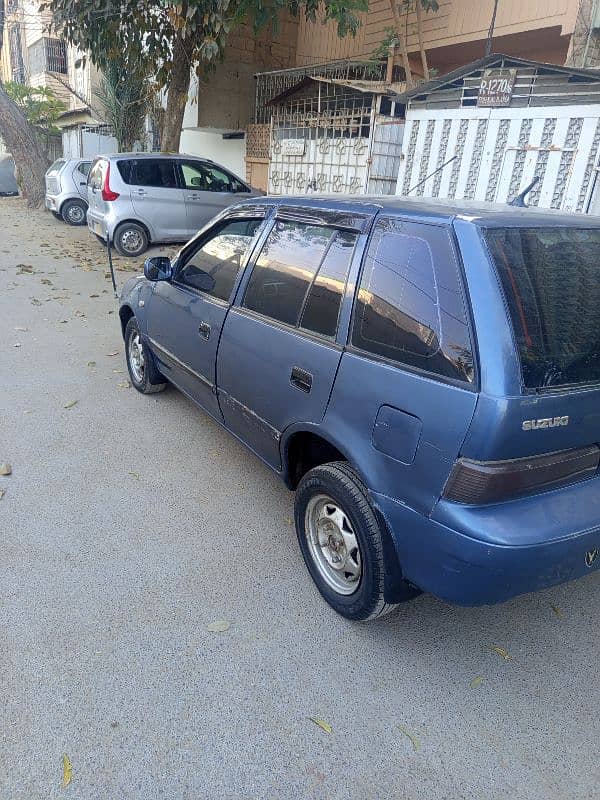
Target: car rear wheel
(131,239)
(140,362)
(342,542)
(73,212)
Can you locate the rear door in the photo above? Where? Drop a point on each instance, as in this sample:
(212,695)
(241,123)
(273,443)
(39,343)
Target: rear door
(80,176)
(208,190)
(95,183)
(405,391)
(186,315)
(156,196)
(279,352)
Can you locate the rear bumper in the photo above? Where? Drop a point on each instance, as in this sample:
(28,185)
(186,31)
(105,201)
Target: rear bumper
(97,224)
(473,571)
(51,203)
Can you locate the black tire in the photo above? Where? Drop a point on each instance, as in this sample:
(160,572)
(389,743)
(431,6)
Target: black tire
(150,380)
(74,212)
(131,239)
(57,215)
(340,482)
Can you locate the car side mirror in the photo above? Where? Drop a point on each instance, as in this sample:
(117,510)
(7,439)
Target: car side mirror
(158,268)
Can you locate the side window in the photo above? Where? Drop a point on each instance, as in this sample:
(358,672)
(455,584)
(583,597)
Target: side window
(205,178)
(285,270)
(158,173)
(322,306)
(84,168)
(409,306)
(215,265)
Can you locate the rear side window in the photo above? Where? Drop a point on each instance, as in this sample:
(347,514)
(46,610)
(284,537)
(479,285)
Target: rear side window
(551,281)
(300,275)
(409,308)
(84,167)
(57,165)
(154,172)
(204,178)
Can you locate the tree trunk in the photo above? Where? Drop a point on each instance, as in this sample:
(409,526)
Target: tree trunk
(22,143)
(402,42)
(177,96)
(419,8)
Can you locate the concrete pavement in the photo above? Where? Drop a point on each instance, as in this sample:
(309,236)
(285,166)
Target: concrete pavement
(130,524)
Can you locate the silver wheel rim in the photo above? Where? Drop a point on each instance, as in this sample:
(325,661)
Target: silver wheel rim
(75,214)
(136,358)
(131,241)
(332,544)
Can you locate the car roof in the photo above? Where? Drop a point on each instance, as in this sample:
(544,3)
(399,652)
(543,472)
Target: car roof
(143,156)
(440,211)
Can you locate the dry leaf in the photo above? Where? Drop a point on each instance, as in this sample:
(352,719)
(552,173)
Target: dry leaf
(118,371)
(325,726)
(67,771)
(114,353)
(19,328)
(219,626)
(62,321)
(46,281)
(413,739)
(94,295)
(35,301)
(501,652)
(5,469)
(79,313)
(2,493)
(17,344)
(124,385)
(71,404)
(136,475)
(24,269)
(91,363)
(477,681)
(557,611)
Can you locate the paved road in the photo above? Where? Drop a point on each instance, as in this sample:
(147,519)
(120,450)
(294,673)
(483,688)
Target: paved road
(129,524)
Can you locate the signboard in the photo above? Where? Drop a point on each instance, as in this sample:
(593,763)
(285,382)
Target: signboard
(293,147)
(496,88)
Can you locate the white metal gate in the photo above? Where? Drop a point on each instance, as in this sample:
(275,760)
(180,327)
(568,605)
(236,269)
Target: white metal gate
(497,153)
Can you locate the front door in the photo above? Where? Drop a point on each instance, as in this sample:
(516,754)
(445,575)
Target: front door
(278,354)
(186,314)
(208,190)
(157,199)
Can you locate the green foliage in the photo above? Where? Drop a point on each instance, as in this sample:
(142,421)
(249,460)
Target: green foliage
(126,94)
(40,105)
(203,24)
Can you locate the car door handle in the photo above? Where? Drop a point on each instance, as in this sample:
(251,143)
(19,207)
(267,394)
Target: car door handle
(191,197)
(141,192)
(301,379)
(204,330)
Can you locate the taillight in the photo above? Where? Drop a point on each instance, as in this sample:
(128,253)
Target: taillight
(107,192)
(491,481)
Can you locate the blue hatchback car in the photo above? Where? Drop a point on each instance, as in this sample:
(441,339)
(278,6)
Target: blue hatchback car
(426,377)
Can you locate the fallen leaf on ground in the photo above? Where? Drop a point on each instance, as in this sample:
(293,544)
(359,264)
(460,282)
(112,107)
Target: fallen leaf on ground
(19,328)
(91,363)
(2,493)
(24,269)
(94,295)
(501,652)
(413,739)
(325,726)
(71,404)
(219,626)
(136,475)
(36,302)
(67,771)
(17,344)
(62,321)
(557,611)
(5,469)
(124,385)
(46,281)
(79,313)
(118,371)
(477,681)
(114,353)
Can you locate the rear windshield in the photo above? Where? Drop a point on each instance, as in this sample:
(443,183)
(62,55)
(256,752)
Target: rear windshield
(96,174)
(551,279)
(57,165)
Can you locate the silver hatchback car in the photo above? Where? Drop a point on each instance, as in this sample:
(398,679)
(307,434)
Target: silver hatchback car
(66,189)
(142,198)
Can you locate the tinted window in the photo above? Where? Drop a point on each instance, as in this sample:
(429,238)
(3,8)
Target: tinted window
(551,280)
(205,178)
(285,270)
(84,167)
(409,306)
(220,257)
(322,306)
(155,172)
